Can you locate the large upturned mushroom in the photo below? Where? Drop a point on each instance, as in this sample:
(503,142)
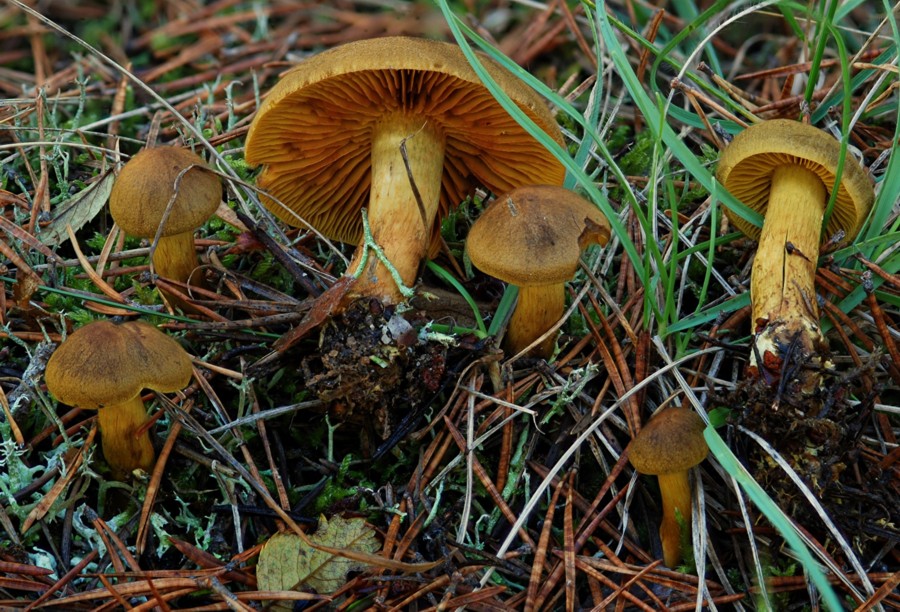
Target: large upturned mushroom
(533,237)
(330,136)
(104,366)
(787,170)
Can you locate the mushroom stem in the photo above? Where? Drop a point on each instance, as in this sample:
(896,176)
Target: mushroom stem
(675,489)
(123,447)
(401,224)
(783,277)
(538,309)
(174,257)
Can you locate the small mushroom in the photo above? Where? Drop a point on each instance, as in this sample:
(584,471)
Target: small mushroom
(532,237)
(104,366)
(142,192)
(331,136)
(786,171)
(669,445)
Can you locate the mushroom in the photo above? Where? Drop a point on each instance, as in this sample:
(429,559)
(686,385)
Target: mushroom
(669,445)
(786,171)
(142,192)
(532,237)
(331,136)
(104,366)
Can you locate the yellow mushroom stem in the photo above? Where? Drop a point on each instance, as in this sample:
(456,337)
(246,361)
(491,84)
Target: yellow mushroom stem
(123,447)
(783,277)
(399,226)
(175,258)
(675,489)
(538,309)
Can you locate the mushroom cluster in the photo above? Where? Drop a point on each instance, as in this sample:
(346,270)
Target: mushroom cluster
(787,171)
(104,366)
(402,127)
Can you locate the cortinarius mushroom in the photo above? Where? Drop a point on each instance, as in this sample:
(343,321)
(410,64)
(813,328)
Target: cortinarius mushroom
(532,237)
(669,445)
(142,192)
(786,170)
(104,366)
(331,136)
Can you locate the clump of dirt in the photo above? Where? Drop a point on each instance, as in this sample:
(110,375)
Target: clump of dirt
(372,365)
(818,434)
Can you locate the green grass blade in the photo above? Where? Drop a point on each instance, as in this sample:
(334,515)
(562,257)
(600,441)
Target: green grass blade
(711,313)
(451,280)
(823,29)
(504,309)
(648,108)
(775,515)
(889,192)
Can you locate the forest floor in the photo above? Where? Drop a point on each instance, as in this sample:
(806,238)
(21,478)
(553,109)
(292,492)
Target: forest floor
(351,455)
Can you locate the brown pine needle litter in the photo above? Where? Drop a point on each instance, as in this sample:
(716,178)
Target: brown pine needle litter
(482,480)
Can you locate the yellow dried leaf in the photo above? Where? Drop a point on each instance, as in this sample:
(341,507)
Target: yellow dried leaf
(287,563)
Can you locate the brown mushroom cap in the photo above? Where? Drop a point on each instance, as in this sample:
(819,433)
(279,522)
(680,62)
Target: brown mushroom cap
(105,364)
(671,441)
(313,132)
(534,235)
(746,166)
(145,185)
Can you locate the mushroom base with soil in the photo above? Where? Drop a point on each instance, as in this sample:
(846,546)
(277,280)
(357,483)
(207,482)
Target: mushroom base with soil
(782,290)
(126,445)
(373,370)
(818,436)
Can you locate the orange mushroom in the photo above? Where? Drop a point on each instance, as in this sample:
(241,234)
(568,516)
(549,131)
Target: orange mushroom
(400,126)
(787,171)
(104,366)
(533,237)
(142,192)
(668,446)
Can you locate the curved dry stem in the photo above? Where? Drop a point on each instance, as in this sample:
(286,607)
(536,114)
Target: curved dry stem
(399,226)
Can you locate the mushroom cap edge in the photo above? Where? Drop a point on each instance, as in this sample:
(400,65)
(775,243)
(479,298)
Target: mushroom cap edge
(145,184)
(745,168)
(671,441)
(105,363)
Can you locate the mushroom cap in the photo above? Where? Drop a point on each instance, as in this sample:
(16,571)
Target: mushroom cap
(534,235)
(671,441)
(746,165)
(145,185)
(314,131)
(105,363)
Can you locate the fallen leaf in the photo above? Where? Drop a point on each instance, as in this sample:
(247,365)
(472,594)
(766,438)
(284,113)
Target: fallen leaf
(287,563)
(77,210)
